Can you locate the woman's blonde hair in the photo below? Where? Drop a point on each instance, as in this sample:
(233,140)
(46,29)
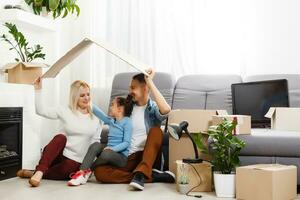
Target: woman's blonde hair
(75,94)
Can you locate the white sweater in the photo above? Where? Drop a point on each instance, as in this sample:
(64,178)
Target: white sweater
(80,129)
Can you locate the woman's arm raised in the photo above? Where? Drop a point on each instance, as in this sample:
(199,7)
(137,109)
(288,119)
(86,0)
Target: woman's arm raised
(41,109)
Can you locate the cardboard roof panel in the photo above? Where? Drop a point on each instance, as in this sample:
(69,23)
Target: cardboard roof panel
(85,44)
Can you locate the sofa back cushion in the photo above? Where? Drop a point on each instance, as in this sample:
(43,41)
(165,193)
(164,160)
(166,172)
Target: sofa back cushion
(164,82)
(204,92)
(293,84)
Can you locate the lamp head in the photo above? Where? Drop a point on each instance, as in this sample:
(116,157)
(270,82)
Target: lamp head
(176,130)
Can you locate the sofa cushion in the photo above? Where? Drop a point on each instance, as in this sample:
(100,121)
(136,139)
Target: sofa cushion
(164,82)
(293,84)
(204,92)
(267,142)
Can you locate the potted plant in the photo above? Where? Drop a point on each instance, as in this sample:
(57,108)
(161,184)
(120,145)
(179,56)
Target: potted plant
(23,70)
(183,180)
(224,148)
(57,7)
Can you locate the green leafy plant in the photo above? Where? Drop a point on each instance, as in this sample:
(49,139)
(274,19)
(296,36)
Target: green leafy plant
(57,7)
(225,147)
(20,45)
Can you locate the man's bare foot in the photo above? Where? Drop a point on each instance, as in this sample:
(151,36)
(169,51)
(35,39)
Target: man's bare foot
(25,173)
(35,180)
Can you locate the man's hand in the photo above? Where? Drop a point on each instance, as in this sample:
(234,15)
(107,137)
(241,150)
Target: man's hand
(151,74)
(37,84)
(163,106)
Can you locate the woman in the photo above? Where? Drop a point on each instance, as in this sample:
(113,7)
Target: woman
(80,128)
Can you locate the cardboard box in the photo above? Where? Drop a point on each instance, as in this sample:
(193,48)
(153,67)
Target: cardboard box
(286,119)
(266,182)
(243,126)
(199,175)
(199,121)
(23,73)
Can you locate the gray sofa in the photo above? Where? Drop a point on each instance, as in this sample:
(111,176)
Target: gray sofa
(214,92)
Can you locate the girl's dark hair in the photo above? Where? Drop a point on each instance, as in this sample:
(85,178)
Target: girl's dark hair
(127,103)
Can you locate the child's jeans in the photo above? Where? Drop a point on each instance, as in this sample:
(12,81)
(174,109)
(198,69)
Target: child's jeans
(103,157)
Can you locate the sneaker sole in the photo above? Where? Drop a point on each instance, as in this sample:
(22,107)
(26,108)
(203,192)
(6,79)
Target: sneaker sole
(170,173)
(161,172)
(136,186)
(70,184)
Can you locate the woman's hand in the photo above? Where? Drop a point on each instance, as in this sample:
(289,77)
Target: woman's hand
(37,84)
(107,149)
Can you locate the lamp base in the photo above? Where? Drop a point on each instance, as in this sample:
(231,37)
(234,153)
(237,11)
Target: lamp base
(189,160)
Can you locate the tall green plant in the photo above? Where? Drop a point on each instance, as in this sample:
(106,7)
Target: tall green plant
(225,147)
(57,7)
(20,45)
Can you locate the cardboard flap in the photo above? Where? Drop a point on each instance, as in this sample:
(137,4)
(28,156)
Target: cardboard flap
(67,58)
(270,113)
(239,118)
(222,112)
(85,44)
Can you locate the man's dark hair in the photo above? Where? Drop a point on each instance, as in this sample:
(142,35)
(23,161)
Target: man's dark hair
(140,78)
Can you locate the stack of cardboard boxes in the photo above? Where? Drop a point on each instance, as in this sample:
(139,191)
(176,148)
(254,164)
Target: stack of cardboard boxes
(200,174)
(271,181)
(259,182)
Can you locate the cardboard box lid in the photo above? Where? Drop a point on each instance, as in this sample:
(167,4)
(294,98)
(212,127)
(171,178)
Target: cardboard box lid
(198,119)
(84,45)
(283,118)
(268,167)
(239,118)
(292,111)
(8,66)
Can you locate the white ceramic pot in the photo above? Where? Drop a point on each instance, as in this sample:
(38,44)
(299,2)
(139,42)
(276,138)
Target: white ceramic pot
(224,184)
(183,188)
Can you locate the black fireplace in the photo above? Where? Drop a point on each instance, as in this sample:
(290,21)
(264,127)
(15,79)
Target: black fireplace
(10,141)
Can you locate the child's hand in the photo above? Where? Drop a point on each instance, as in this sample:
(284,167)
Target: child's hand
(107,148)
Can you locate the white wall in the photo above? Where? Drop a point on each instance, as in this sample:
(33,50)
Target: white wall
(270,32)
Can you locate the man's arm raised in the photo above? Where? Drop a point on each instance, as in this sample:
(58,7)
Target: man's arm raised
(164,107)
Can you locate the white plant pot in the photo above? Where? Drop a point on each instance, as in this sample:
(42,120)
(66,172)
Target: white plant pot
(183,188)
(224,185)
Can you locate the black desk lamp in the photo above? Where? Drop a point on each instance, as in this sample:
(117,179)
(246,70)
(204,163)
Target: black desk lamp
(176,132)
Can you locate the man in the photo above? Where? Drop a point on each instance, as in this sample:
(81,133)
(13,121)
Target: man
(146,139)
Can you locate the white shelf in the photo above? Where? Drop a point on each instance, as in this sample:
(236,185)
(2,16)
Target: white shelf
(27,20)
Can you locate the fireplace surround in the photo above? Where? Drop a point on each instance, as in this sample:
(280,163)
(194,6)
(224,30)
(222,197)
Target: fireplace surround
(11,120)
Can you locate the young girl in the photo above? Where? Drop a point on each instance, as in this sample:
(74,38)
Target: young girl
(119,137)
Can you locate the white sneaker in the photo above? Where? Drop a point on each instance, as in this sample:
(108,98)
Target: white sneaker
(80,178)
